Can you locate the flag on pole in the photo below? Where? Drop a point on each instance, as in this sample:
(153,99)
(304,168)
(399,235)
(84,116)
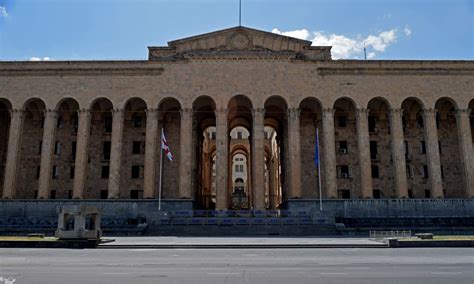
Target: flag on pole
(316,152)
(165,147)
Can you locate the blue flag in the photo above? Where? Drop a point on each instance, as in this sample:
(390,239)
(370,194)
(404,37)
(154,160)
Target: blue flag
(316,152)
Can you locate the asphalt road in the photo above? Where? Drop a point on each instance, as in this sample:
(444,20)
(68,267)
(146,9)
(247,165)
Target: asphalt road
(420,265)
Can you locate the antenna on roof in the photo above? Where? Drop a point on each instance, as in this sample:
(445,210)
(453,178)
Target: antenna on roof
(365,52)
(240,13)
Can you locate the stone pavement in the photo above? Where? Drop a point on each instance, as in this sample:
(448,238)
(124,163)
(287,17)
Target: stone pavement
(194,242)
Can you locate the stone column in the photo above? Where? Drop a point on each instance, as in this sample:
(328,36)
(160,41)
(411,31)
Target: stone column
(49,131)
(151,139)
(80,165)
(363,143)
(222,158)
(186,150)
(295,152)
(330,183)
(398,153)
(258,159)
(465,146)
(13,153)
(432,151)
(116,153)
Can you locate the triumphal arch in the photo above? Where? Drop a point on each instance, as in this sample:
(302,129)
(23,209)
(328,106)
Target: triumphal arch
(240,109)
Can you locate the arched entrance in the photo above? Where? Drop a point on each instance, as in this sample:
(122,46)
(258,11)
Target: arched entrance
(5,120)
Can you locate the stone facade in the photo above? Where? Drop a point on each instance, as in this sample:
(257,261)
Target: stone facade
(387,129)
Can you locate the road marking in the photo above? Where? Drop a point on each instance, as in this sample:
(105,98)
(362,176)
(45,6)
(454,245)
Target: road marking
(445,272)
(223,273)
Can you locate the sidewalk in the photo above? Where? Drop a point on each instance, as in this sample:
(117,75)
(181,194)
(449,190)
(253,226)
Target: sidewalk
(236,242)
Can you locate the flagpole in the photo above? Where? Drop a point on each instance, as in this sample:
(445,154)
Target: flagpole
(161,170)
(319,173)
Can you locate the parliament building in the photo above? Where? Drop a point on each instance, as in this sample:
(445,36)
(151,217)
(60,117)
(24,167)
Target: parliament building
(241,109)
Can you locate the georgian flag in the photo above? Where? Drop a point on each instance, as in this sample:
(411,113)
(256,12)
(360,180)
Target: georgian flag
(165,147)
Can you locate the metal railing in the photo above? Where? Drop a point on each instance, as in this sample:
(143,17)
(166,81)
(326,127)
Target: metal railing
(380,235)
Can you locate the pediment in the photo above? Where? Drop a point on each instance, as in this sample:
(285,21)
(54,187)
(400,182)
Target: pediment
(238,42)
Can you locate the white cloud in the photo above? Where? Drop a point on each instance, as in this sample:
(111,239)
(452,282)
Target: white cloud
(407,31)
(3,12)
(40,59)
(345,47)
(301,34)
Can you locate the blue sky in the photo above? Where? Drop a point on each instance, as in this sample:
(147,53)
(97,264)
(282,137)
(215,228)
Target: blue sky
(122,29)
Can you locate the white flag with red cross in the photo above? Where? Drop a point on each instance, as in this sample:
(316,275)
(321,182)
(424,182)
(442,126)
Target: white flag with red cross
(165,147)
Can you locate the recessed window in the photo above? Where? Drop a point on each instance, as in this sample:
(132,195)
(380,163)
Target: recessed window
(344,194)
(344,171)
(71,172)
(136,194)
(137,121)
(104,194)
(73,150)
(372,124)
(57,148)
(105,172)
(135,172)
(376,193)
(427,193)
(106,149)
(425,171)
(55,172)
(137,147)
(342,121)
(373,150)
(422,147)
(375,171)
(52,194)
(342,147)
(108,124)
(239,135)
(59,122)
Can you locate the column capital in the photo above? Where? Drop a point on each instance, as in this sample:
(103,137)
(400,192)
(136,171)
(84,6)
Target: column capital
(395,111)
(185,112)
(258,111)
(363,111)
(21,112)
(151,112)
(463,112)
(293,112)
(50,112)
(328,112)
(84,110)
(117,111)
(430,111)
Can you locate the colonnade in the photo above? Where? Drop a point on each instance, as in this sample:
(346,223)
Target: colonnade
(222,153)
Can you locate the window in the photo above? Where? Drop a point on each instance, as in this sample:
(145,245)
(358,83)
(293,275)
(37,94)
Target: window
(409,170)
(71,172)
(75,123)
(344,171)
(213,135)
(427,193)
(407,149)
(57,148)
(376,193)
(410,193)
(372,124)
(59,122)
(73,150)
(342,121)
(422,147)
(38,170)
(136,194)
(52,194)
(137,121)
(137,147)
(425,171)
(442,172)
(439,146)
(42,122)
(108,124)
(55,172)
(135,172)
(344,194)
(419,121)
(40,147)
(105,172)
(342,149)
(239,135)
(373,150)
(106,148)
(104,194)
(69,194)
(375,171)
